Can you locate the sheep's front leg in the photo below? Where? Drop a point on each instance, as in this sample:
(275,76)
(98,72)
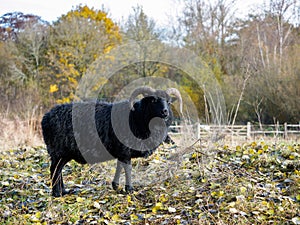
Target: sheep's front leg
(128,185)
(115,183)
(58,188)
(127,167)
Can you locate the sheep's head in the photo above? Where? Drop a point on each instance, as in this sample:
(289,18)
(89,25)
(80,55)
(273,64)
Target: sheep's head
(157,100)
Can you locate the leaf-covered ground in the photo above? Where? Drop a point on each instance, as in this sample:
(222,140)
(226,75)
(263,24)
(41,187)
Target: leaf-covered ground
(252,183)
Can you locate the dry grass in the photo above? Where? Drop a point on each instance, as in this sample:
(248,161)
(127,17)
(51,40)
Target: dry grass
(18,132)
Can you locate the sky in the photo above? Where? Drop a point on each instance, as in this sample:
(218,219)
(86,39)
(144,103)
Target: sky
(159,10)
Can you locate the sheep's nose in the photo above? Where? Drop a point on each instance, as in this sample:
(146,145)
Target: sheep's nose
(165,113)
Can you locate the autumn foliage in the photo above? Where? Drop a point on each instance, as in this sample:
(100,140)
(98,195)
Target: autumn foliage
(71,51)
(254,59)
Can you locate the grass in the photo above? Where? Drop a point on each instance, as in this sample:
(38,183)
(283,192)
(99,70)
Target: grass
(251,183)
(16,132)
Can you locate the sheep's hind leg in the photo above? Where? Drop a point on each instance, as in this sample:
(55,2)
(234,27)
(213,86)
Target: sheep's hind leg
(115,183)
(56,177)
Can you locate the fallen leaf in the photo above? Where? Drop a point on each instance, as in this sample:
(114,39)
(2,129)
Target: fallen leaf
(171,210)
(158,206)
(96,205)
(296,220)
(233,210)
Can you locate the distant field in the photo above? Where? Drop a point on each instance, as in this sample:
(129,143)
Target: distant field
(250,183)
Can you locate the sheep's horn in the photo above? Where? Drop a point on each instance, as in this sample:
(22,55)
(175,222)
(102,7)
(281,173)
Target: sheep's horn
(176,93)
(146,91)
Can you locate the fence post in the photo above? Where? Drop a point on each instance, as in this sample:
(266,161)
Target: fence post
(248,130)
(285,130)
(277,128)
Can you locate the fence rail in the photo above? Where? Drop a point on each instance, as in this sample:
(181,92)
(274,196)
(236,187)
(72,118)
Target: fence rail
(248,131)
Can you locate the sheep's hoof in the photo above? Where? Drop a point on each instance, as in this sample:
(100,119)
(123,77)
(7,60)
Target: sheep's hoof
(128,189)
(60,193)
(115,186)
(56,194)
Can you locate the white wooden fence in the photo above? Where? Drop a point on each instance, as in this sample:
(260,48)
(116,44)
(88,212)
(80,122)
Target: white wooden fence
(248,131)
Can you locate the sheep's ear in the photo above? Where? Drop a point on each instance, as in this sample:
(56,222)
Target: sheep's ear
(132,106)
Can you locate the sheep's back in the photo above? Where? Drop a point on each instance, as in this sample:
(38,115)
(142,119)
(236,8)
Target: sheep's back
(81,131)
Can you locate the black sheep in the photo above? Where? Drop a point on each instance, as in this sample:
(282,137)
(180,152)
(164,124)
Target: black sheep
(99,131)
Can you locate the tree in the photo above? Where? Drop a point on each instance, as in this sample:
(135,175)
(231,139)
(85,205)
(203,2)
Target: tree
(13,23)
(138,28)
(24,38)
(267,45)
(204,26)
(76,40)
(6,60)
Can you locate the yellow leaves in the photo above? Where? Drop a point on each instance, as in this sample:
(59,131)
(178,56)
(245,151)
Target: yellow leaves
(194,155)
(53,88)
(292,157)
(260,151)
(163,198)
(110,57)
(108,49)
(268,207)
(88,13)
(264,203)
(63,100)
(133,217)
(217,194)
(72,80)
(249,151)
(38,215)
(35,218)
(252,151)
(253,144)
(79,38)
(79,199)
(115,218)
(265,147)
(97,16)
(243,190)
(129,201)
(62,60)
(158,206)
(271,212)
